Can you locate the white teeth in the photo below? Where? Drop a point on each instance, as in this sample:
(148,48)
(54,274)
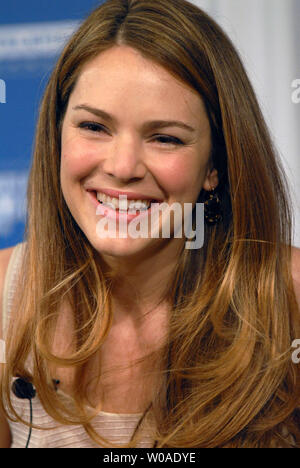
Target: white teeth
(123,204)
(138,205)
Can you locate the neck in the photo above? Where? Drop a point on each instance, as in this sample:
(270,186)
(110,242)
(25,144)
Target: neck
(142,284)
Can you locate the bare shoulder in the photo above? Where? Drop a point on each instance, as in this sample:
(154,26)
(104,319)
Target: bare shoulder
(5,255)
(296,271)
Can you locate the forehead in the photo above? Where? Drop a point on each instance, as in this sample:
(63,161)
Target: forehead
(121,75)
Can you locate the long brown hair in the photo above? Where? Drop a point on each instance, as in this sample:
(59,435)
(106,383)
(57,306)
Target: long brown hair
(230,381)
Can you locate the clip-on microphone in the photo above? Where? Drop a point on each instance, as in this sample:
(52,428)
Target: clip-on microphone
(24,390)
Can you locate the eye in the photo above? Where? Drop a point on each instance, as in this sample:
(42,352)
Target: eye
(168,140)
(93,127)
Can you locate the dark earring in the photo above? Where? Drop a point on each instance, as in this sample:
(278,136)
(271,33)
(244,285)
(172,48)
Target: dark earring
(212,208)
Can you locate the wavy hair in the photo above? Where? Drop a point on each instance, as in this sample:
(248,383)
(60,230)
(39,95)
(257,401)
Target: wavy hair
(230,380)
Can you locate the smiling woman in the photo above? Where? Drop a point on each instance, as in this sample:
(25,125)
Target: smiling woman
(165,159)
(140,342)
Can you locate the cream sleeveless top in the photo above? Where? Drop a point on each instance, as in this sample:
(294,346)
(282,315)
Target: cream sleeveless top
(117,428)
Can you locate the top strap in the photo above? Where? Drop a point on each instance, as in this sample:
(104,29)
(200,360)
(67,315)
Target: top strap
(9,289)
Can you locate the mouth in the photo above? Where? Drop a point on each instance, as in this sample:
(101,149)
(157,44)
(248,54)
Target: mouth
(122,208)
(123,204)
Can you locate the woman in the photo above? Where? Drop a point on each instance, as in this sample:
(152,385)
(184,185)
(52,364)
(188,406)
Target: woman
(140,341)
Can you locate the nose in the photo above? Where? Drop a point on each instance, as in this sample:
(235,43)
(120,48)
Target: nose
(124,160)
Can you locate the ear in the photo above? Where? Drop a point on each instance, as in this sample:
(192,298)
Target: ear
(212,180)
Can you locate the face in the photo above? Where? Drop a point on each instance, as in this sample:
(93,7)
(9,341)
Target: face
(131,129)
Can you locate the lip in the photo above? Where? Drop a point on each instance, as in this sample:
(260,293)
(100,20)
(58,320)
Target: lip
(129,195)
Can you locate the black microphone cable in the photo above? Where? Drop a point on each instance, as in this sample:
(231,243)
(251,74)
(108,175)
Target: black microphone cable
(25,390)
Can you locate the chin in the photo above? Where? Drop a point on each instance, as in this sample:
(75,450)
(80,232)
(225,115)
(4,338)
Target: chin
(123,248)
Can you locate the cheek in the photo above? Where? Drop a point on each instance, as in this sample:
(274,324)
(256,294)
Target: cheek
(183,178)
(77,160)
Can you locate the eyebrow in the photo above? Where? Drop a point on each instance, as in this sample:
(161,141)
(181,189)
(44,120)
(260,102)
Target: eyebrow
(147,126)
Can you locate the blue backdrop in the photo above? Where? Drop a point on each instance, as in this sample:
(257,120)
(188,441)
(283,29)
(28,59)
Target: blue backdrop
(31,35)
